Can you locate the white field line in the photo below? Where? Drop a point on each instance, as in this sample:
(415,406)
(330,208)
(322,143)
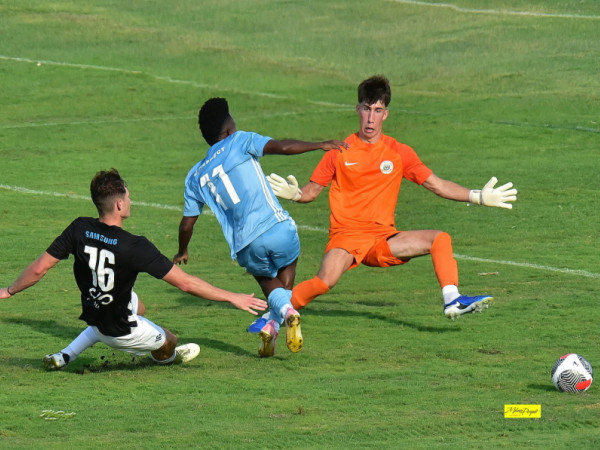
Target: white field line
(91,122)
(498,12)
(548,125)
(169,80)
(336,106)
(530,266)
(191,116)
(81,197)
(277,114)
(583,273)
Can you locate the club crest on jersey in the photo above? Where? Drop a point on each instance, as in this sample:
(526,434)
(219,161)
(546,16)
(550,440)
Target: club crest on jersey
(386,167)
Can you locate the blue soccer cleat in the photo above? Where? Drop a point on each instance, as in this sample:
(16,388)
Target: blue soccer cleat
(259,323)
(465,304)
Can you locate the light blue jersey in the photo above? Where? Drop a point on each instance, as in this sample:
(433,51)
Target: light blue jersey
(232,183)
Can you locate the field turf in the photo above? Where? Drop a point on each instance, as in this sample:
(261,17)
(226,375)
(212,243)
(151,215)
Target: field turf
(507,89)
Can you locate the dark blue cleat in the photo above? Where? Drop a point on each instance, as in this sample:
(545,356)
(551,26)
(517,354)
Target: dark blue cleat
(465,304)
(259,323)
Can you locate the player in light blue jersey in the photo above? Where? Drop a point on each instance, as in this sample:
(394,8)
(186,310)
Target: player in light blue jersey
(261,234)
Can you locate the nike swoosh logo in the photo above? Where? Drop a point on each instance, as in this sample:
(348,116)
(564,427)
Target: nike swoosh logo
(346,163)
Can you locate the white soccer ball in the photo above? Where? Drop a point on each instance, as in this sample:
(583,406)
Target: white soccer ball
(572,373)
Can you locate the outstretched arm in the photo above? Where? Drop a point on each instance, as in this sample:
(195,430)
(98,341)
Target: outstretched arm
(200,288)
(186,229)
(446,188)
(487,196)
(294,147)
(31,275)
(289,190)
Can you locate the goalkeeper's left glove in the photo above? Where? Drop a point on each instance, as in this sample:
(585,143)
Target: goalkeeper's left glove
(285,189)
(488,196)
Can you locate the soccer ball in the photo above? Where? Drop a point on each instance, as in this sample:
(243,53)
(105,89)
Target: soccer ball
(572,373)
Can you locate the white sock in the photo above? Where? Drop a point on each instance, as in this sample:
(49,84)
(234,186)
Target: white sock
(284,309)
(450,293)
(85,340)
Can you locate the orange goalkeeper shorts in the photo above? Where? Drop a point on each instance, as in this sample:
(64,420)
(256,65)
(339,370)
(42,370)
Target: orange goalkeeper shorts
(368,248)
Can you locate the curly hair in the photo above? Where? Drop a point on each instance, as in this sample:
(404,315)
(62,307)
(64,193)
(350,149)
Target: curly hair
(211,119)
(105,188)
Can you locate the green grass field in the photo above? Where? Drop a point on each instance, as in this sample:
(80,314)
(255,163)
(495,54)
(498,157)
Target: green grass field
(509,89)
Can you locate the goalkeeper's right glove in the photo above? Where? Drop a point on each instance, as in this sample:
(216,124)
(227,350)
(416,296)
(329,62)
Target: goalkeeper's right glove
(285,189)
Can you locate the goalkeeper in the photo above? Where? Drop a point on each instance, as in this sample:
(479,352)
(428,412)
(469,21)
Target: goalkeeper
(365,183)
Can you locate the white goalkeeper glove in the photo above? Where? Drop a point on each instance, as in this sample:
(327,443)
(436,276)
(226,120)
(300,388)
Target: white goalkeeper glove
(488,196)
(285,189)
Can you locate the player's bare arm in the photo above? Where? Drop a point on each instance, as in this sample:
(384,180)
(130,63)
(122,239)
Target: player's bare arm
(295,147)
(310,191)
(446,188)
(31,275)
(486,196)
(186,229)
(200,288)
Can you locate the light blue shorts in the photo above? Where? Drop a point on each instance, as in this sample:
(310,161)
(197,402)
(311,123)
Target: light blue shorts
(277,248)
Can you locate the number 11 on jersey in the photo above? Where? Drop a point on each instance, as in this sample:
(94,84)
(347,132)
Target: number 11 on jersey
(219,172)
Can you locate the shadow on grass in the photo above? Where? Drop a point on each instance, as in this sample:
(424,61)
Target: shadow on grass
(108,360)
(50,327)
(221,346)
(113,360)
(543,387)
(383,318)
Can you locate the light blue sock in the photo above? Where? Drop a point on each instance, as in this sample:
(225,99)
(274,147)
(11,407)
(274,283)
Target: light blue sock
(279,302)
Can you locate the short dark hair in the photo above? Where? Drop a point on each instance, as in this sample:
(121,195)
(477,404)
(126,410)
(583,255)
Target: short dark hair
(211,119)
(106,187)
(373,89)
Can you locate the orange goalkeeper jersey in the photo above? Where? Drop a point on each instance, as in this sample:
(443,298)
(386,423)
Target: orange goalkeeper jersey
(365,182)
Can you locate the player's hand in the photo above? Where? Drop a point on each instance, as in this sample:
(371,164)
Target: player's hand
(4,293)
(285,189)
(333,144)
(490,196)
(248,303)
(181,257)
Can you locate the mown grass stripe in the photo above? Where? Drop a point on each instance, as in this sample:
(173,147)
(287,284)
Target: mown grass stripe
(567,271)
(498,12)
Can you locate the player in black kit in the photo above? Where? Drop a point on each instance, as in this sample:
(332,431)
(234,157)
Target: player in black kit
(107,262)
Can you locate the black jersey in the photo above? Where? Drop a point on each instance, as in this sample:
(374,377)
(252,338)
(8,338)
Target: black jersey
(107,262)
